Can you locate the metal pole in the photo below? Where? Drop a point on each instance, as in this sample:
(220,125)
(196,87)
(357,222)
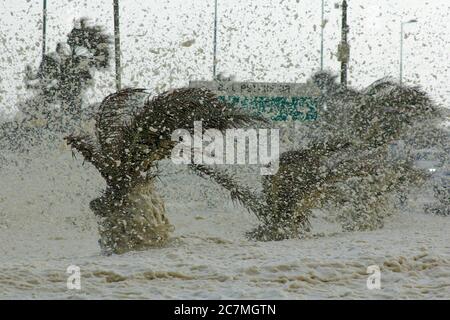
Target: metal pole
(44,30)
(321,35)
(215,42)
(402,36)
(44,46)
(401,53)
(117,45)
(344,62)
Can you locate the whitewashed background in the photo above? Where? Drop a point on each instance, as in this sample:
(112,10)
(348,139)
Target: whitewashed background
(259,40)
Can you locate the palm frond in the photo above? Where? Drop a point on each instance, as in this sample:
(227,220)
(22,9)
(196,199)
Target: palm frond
(90,152)
(178,109)
(114,113)
(94,39)
(134,132)
(243,195)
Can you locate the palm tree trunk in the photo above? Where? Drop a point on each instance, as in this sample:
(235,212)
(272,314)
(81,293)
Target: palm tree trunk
(135,223)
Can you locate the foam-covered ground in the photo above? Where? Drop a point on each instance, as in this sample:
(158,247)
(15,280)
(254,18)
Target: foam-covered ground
(46,225)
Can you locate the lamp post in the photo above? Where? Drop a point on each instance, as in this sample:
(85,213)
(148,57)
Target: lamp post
(344,49)
(215,42)
(401,46)
(343,52)
(321,35)
(44,30)
(117,45)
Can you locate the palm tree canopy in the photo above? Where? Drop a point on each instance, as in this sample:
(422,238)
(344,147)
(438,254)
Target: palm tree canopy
(64,74)
(134,131)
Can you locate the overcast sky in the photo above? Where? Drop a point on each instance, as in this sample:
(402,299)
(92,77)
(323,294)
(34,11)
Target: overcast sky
(259,40)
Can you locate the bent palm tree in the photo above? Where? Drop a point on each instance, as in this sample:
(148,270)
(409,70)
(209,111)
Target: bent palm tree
(131,136)
(348,146)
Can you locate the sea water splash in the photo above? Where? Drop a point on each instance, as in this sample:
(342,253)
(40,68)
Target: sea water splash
(46,226)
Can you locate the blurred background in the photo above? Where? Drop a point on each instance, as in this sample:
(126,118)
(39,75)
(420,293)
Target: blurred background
(168,43)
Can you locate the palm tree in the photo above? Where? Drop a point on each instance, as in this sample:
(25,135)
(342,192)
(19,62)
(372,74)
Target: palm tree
(131,137)
(349,144)
(347,152)
(65,74)
(58,86)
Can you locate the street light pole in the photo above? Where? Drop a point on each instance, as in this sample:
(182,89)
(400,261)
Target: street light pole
(321,35)
(401,53)
(402,34)
(344,45)
(215,42)
(117,45)
(44,30)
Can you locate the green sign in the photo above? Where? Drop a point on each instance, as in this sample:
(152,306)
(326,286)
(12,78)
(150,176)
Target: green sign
(279,101)
(278,108)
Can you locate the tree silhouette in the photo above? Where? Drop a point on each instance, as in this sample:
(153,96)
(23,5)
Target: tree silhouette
(64,75)
(132,134)
(345,163)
